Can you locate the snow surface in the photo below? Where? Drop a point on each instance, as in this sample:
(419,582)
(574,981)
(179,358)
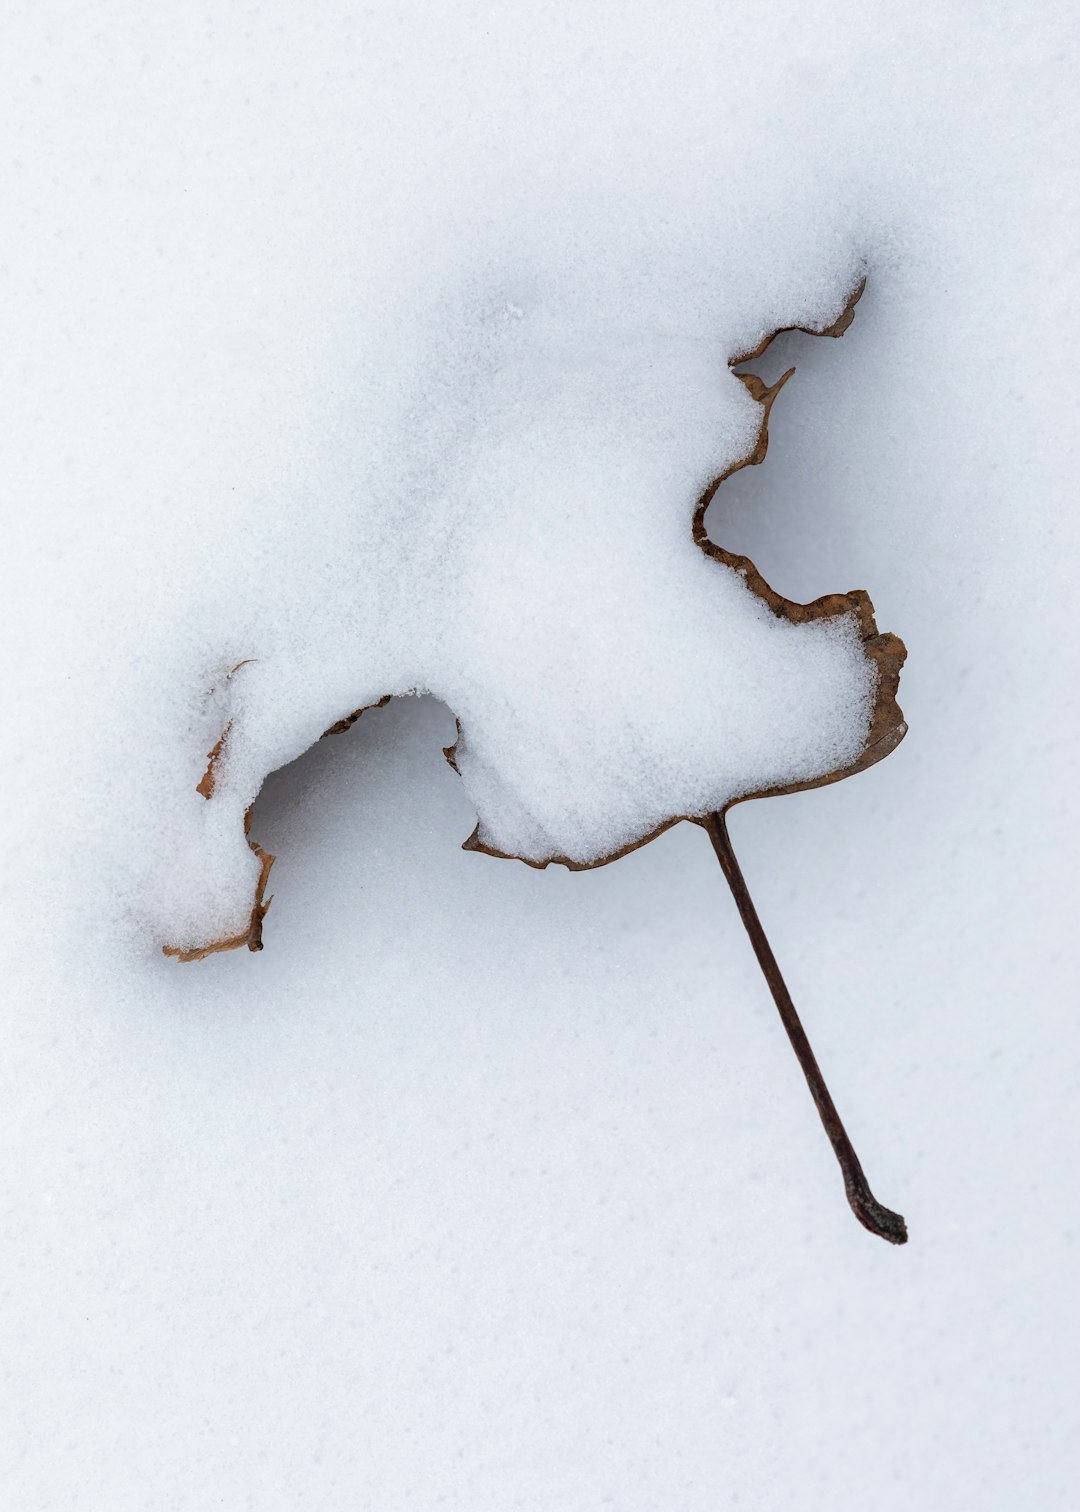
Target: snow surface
(541,577)
(484,1187)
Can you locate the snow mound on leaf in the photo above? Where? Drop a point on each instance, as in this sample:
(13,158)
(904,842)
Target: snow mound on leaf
(544,582)
(404,373)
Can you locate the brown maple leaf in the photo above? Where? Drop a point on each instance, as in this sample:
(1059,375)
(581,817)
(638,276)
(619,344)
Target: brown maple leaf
(886,729)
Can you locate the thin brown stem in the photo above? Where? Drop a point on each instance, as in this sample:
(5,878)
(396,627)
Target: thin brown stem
(870,1213)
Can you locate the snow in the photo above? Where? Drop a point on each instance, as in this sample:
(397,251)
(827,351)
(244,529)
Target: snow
(607,675)
(484,1186)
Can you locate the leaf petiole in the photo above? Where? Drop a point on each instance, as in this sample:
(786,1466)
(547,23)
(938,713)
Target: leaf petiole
(870,1213)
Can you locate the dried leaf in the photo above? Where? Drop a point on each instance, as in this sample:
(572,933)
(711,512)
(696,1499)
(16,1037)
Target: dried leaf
(886,729)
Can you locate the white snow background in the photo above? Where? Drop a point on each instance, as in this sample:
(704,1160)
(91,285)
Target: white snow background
(484,1187)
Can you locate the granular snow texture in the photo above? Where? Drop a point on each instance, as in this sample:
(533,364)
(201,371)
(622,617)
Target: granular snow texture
(487,1187)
